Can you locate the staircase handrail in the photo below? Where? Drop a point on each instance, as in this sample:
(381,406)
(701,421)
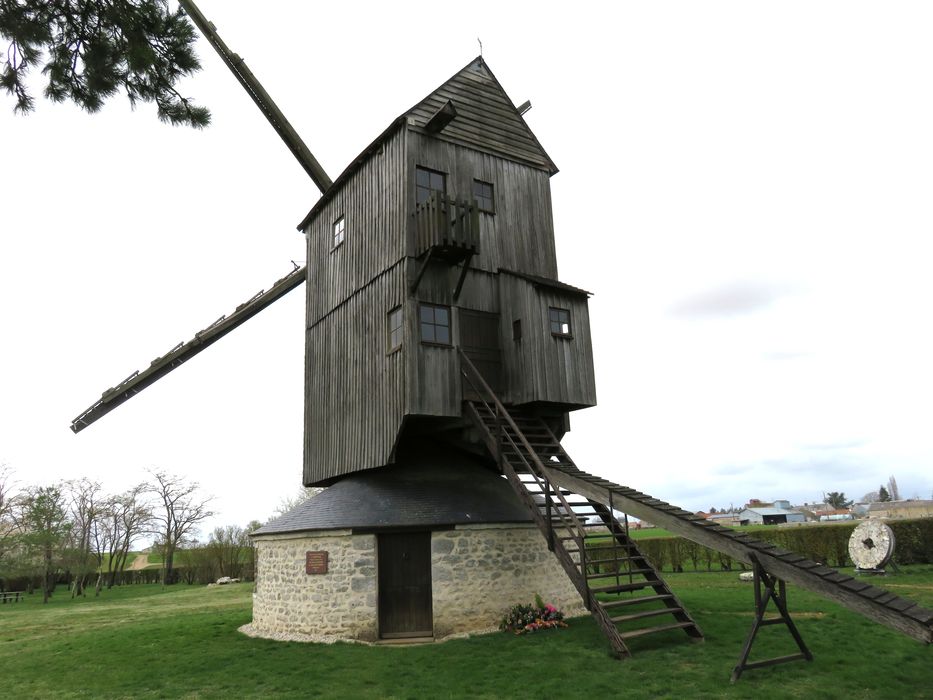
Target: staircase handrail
(541,473)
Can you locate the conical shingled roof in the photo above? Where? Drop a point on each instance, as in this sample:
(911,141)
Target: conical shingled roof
(486,117)
(431,489)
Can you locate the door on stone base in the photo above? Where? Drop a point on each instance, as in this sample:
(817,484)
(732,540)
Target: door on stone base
(405,585)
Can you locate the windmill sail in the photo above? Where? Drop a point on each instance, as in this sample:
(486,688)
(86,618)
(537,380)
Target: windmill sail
(183,352)
(262,99)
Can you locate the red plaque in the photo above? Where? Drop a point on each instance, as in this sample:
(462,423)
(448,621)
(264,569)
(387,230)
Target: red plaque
(316,562)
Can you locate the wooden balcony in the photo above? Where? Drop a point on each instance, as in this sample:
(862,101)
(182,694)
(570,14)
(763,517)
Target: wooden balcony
(447,228)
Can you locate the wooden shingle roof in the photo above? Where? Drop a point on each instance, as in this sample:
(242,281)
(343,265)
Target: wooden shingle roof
(486,117)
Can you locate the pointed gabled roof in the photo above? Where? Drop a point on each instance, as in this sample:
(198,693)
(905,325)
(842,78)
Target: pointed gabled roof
(486,119)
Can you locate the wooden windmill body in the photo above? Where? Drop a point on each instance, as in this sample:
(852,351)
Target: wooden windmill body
(443,357)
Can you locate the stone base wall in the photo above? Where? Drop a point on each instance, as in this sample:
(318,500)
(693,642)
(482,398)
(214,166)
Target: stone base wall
(340,603)
(478,572)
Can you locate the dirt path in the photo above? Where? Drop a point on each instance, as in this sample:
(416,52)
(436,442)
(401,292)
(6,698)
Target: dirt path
(140,562)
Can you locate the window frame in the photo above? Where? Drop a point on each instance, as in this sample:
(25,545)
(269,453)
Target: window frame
(443,191)
(391,329)
(560,322)
(517,330)
(340,221)
(422,306)
(492,196)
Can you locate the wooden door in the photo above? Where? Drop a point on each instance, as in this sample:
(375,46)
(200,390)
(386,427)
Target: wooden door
(405,585)
(479,339)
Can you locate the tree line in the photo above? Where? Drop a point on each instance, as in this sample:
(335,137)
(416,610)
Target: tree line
(77,533)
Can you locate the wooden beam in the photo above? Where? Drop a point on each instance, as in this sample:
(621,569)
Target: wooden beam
(441,118)
(897,613)
(413,287)
(262,98)
(462,276)
(181,353)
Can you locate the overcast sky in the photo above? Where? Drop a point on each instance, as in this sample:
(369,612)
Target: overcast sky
(745,188)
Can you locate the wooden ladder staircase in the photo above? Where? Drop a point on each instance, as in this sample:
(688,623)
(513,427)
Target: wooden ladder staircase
(624,592)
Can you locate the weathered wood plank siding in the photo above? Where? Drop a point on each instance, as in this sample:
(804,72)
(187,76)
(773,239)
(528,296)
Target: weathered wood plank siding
(375,204)
(355,386)
(520,234)
(434,387)
(541,366)
(354,390)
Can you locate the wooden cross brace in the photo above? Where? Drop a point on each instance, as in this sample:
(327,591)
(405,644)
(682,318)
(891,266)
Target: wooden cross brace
(774,589)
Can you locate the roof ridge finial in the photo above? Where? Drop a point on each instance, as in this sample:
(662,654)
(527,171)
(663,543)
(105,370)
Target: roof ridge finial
(479,41)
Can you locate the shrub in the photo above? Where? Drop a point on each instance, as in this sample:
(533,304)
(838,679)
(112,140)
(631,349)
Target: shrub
(824,543)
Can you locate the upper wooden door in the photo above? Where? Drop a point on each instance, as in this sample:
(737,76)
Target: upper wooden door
(479,339)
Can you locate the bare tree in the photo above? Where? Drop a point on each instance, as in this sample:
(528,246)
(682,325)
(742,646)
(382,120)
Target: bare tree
(892,489)
(178,511)
(85,509)
(128,516)
(295,500)
(228,547)
(7,527)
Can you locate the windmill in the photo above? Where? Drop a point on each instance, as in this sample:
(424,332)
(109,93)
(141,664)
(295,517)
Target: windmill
(443,358)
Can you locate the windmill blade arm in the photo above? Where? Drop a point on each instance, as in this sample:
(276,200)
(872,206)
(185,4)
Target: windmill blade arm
(183,352)
(262,98)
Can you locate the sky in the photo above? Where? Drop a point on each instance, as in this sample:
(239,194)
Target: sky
(744,187)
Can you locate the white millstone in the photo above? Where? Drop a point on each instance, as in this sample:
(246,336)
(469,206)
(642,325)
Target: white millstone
(871,545)
(478,572)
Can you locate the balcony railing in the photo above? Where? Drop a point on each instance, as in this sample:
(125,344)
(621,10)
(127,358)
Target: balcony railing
(447,227)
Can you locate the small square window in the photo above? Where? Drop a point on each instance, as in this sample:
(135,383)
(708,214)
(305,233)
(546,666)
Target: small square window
(559,320)
(517,329)
(483,195)
(435,324)
(340,230)
(427,182)
(394,328)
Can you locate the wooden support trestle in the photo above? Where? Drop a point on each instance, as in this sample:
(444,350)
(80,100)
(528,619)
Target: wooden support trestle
(776,590)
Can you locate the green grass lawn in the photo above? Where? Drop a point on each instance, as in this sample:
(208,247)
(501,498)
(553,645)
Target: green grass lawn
(142,641)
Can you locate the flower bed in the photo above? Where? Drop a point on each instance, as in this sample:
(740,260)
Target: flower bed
(526,618)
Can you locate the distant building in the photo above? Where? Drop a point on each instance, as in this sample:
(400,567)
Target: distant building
(730,519)
(891,510)
(838,515)
(769,516)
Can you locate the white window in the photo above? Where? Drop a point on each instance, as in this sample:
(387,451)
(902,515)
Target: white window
(435,324)
(340,230)
(560,321)
(394,329)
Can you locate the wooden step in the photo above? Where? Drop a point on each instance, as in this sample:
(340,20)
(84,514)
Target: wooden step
(636,601)
(651,630)
(621,574)
(645,614)
(624,587)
